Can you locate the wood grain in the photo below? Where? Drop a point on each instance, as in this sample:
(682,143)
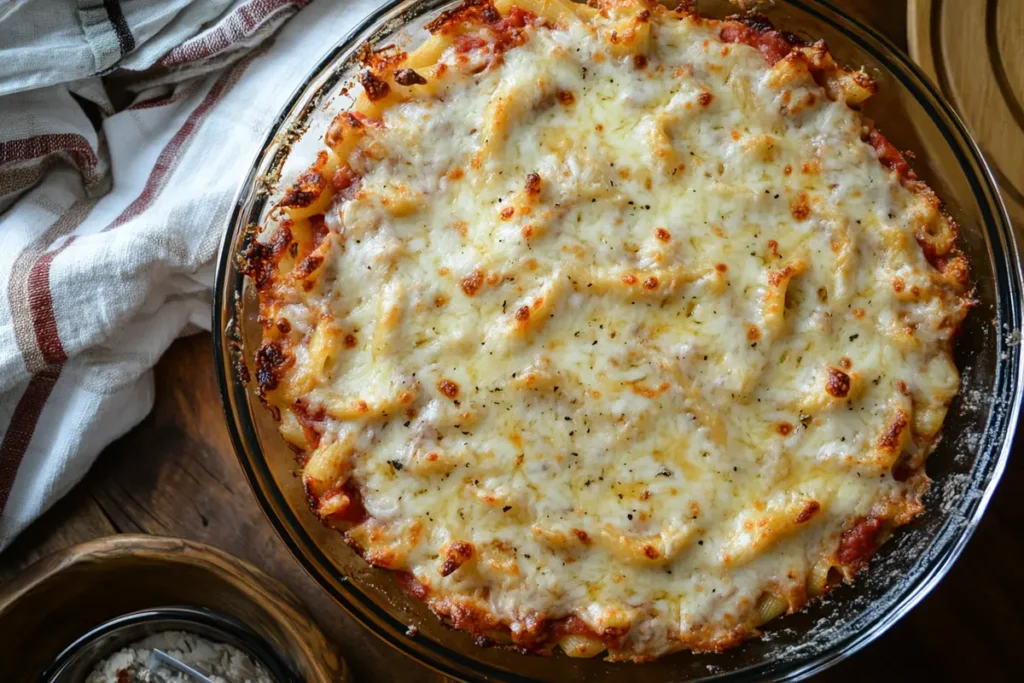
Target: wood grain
(176,473)
(973,51)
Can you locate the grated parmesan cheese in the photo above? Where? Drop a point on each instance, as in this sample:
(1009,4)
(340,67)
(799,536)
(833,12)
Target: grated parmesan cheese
(220,662)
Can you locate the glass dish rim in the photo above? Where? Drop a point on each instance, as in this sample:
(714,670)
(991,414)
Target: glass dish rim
(1009,378)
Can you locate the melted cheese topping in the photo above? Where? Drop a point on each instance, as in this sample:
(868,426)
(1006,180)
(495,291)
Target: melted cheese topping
(632,340)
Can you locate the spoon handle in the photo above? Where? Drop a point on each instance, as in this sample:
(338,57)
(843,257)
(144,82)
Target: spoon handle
(180,666)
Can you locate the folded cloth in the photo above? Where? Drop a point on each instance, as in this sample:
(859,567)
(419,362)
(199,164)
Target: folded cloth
(125,130)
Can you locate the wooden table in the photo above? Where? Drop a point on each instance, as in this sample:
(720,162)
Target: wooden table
(176,474)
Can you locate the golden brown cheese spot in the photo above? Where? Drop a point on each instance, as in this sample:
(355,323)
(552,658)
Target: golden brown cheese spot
(662,234)
(784,428)
(448,388)
(383,59)
(533,184)
(375,88)
(651,283)
(350,341)
(334,506)
(308,186)
(455,554)
(891,437)
(800,207)
(956,270)
(648,392)
(258,260)
(777,277)
(271,362)
(704,98)
(640,62)
(409,77)
(342,123)
(471,283)
(308,266)
(809,510)
(837,382)
(565,97)
(380,557)
(581,536)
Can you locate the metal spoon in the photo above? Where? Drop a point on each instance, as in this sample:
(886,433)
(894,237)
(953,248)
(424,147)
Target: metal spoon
(175,663)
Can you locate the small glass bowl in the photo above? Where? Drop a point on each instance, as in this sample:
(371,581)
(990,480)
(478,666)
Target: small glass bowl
(965,467)
(77,660)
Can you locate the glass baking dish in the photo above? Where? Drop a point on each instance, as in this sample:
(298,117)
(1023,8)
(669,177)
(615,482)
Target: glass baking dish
(965,467)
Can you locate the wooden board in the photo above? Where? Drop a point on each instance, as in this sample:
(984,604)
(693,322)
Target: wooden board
(62,596)
(973,50)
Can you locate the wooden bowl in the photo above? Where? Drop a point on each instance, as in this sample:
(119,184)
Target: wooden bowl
(64,595)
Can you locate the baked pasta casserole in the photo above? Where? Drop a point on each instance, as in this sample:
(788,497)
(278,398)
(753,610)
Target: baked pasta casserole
(609,327)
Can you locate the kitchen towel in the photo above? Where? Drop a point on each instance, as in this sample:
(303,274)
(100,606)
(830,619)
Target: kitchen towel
(125,131)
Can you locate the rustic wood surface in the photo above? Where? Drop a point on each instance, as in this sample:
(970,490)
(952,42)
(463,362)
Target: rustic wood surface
(176,474)
(58,599)
(985,85)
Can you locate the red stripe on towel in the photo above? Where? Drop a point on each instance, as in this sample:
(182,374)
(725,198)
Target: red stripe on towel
(232,29)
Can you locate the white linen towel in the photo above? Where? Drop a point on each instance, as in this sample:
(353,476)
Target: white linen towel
(125,131)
